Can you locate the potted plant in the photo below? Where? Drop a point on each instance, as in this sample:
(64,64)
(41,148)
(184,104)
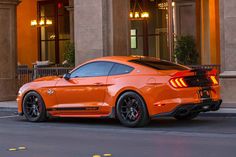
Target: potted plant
(69,55)
(185,50)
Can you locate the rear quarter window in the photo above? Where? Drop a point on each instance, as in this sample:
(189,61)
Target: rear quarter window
(119,69)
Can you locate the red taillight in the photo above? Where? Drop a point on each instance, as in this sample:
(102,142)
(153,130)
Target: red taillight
(172,82)
(178,83)
(183,82)
(214,80)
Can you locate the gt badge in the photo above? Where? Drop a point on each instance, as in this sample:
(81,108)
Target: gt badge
(50,91)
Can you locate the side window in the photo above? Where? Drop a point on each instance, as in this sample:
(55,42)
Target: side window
(119,69)
(93,69)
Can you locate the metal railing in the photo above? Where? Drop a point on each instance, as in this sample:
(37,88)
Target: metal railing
(49,71)
(26,75)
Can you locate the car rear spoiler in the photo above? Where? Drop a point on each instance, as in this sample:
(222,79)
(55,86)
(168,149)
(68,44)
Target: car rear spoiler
(196,72)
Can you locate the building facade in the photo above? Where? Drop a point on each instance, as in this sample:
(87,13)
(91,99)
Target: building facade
(228,43)
(40,29)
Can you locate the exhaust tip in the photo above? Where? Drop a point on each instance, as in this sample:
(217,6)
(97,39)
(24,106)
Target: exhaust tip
(182,112)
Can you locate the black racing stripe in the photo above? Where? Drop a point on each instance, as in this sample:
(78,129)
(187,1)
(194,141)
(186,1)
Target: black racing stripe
(72,108)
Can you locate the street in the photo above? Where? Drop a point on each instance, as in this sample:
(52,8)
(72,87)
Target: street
(164,137)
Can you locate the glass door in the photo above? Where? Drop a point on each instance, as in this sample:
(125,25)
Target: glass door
(149,37)
(53,37)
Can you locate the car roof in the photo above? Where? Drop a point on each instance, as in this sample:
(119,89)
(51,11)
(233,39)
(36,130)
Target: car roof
(121,58)
(128,60)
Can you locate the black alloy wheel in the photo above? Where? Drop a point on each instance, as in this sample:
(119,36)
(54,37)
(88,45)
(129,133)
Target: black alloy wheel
(131,110)
(34,107)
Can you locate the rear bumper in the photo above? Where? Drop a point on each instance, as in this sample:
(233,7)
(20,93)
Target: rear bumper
(204,106)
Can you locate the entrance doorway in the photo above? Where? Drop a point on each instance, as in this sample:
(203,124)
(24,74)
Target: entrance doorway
(155,36)
(53,38)
(149,36)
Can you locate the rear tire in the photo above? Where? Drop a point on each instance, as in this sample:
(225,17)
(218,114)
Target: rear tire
(189,116)
(34,108)
(131,110)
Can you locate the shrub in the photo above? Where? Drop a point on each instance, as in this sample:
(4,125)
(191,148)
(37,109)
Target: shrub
(69,54)
(185,50)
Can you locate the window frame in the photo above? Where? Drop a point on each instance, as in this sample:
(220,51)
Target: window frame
(120,73)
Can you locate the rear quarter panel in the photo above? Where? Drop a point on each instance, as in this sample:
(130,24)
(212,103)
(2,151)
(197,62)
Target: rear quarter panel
(153,86)
(141,80)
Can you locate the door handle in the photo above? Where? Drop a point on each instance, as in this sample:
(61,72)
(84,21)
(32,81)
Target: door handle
(98,83)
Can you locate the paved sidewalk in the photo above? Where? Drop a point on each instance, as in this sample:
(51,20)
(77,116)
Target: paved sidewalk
(8,104)
(12,106)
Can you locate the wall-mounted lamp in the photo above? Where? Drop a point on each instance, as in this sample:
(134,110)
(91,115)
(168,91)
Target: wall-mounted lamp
(33,22)
(41,23)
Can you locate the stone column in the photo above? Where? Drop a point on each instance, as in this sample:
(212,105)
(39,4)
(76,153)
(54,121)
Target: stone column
(205,33)
(120,27)
(101,28)
(228,51)
(8,54)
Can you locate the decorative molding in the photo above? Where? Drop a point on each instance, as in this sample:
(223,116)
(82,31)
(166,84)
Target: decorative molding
(69,8)
(11,2)
(228,74)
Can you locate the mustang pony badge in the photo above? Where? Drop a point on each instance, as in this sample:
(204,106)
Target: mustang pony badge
(50,91)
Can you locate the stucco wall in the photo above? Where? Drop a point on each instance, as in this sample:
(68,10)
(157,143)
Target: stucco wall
(27,41)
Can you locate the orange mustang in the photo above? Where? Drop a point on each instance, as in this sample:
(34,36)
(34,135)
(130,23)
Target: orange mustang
(131,89)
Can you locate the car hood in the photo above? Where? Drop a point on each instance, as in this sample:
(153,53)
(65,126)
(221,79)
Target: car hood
(48,78)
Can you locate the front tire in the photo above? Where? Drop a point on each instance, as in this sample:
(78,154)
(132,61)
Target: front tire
(131,110)
(34,108)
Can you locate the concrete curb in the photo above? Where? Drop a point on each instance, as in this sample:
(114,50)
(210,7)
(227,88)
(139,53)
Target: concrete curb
(8,109)
(11,106)
(223,112)
(210,114)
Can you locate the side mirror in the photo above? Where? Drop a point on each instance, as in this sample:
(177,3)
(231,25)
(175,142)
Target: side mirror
(66,76)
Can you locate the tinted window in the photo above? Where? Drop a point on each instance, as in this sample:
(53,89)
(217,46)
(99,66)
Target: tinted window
(93,69)
(159,64)
(119,69)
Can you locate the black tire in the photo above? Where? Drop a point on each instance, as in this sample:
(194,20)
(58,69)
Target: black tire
(187,117)
(34,108)
(131,110)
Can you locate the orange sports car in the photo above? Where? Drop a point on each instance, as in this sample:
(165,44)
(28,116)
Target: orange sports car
(131,89)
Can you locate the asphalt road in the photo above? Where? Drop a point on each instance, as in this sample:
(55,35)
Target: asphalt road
(202,137)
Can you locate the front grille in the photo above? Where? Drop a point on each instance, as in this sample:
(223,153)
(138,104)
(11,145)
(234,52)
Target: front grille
(198,81)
